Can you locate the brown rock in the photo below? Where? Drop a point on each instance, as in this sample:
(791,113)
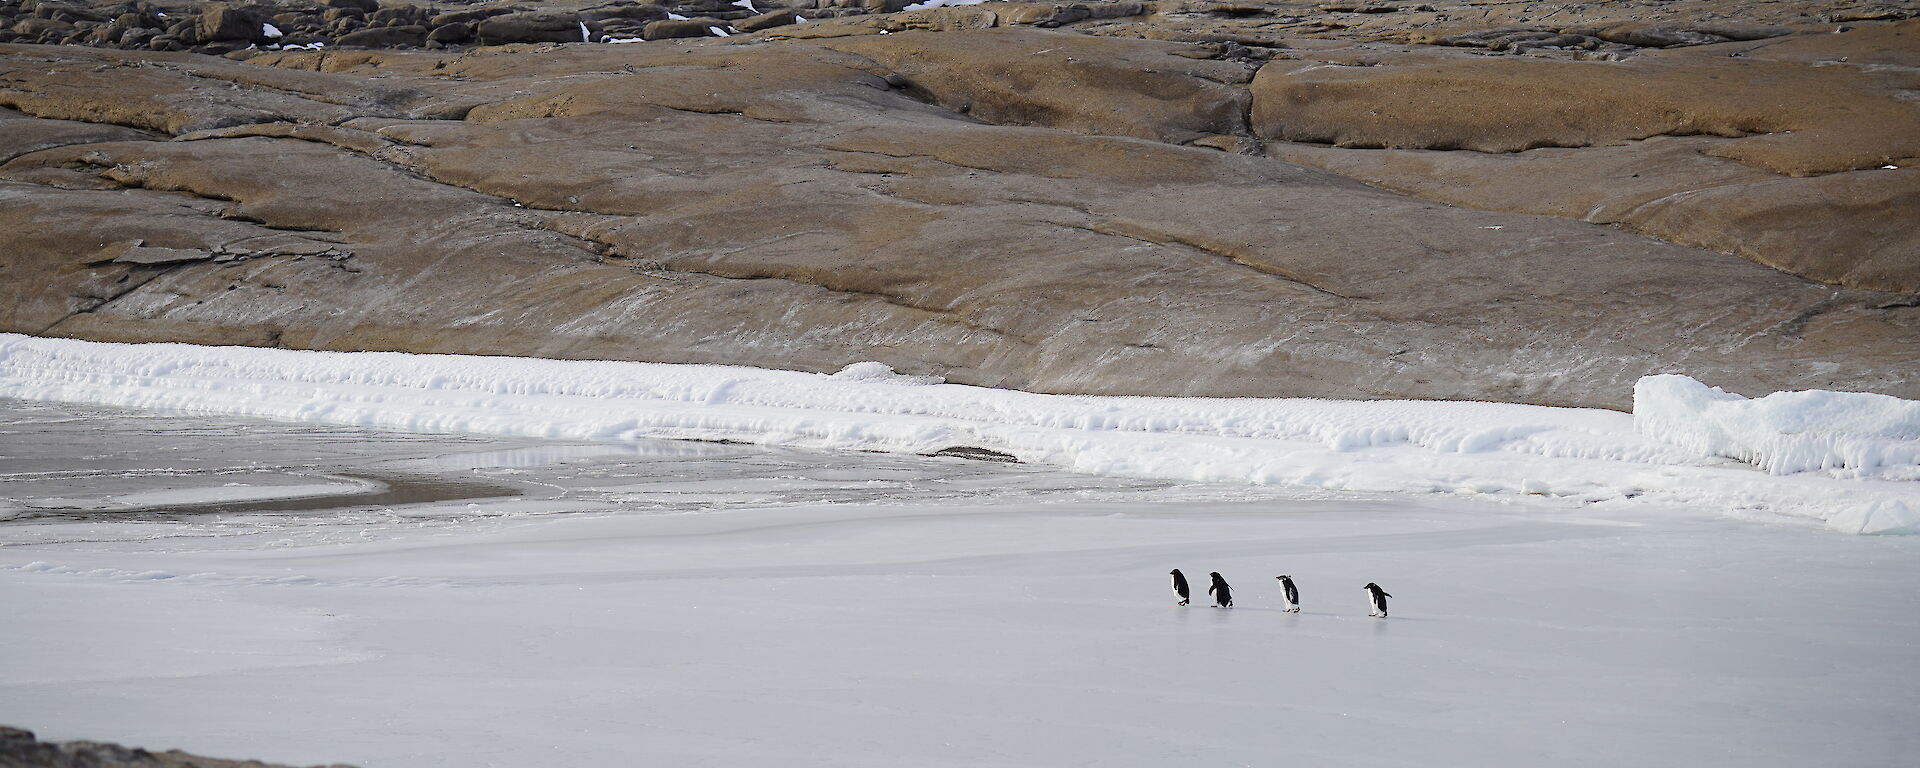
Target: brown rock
(671,28)
(529,28)
(767,20)
(451,33)
(40,27)
(937,200)
(412,36)
(1651,36)
(220,21)
(1854,229)
(632,11)
(467,16)
(880,226)
(1793,113)
(1080,83)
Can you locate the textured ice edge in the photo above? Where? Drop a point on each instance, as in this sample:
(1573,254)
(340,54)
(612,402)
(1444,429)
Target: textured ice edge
(1576,456)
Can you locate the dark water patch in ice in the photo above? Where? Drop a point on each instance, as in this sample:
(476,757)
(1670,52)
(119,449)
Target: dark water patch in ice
(391,490)
(976,454)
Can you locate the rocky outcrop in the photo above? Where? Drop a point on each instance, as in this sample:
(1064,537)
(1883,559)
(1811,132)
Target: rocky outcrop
(1095,85)
(19,749)
(1804,120)
(530,28)
(1784,154)
(1005,207)
(675,28)
(409,36)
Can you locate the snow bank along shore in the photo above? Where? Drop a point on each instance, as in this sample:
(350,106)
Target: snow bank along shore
(1849,459)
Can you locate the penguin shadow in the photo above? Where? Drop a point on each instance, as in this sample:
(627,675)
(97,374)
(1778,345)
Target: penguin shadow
(1294,618)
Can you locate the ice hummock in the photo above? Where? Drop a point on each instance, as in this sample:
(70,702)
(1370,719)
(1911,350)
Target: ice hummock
(883,373)
(1785,432)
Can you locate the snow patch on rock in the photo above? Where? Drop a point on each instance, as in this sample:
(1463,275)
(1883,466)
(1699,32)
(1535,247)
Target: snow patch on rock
(881,372)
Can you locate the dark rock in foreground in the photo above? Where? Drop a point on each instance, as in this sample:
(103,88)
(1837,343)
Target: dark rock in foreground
(19,749)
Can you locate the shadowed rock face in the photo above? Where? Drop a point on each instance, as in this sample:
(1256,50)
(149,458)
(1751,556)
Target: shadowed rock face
(1005,206)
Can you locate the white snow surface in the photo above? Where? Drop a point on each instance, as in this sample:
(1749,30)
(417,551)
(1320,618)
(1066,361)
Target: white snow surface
(703,605)
(1671,454)
(269,30)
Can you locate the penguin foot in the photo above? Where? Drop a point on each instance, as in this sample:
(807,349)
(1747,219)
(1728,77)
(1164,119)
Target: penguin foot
(1183,602)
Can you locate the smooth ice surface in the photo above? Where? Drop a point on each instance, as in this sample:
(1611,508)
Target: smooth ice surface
(693,604)
(1576,456)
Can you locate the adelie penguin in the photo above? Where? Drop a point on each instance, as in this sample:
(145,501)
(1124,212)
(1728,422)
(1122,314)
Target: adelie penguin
(1378,598)
(1179,585)
(1222,594)
(1293,595)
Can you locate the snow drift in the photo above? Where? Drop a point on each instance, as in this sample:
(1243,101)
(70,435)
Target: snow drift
(1862,477)
(1785,432)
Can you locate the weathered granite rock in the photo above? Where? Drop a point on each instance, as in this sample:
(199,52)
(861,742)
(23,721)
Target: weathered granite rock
(410,36)
(1795,179)
(593,201)
(672,28)
(633,11)
(529,28)
(451,33)
(767,20)
(220,21)
(1087,84)
(967,196)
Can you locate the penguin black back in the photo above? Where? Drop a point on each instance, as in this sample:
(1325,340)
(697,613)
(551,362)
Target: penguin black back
(1378,597)
(1222,594)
